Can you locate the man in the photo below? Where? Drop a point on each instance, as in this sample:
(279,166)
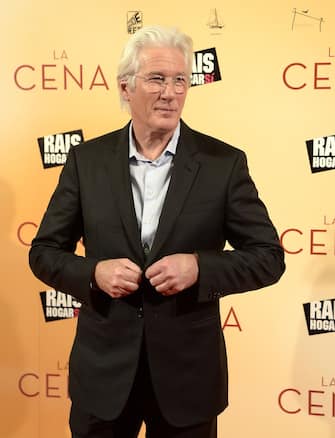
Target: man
(155,203)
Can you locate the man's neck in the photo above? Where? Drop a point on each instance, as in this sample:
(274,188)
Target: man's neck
(151,143)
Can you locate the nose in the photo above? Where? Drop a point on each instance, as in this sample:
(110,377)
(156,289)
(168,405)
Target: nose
(168,89)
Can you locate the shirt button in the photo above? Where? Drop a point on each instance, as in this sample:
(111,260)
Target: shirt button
(140,313)
(146,249)
(149,193)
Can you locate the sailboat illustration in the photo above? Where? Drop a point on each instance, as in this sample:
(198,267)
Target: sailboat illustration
(214,22)
(305,14)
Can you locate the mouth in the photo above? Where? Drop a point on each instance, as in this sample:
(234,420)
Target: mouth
(165,110)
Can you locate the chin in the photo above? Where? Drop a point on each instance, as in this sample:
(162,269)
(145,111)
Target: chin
(167,124)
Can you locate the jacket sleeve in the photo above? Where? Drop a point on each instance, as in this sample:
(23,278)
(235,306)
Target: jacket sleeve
(51,257)
(256,259)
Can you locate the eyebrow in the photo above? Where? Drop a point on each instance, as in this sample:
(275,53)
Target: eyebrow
(159,73)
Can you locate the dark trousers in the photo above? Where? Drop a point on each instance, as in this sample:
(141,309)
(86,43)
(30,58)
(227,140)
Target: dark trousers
(141,406)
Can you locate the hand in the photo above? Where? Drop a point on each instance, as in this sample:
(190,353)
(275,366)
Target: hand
(173,273)
(118,277)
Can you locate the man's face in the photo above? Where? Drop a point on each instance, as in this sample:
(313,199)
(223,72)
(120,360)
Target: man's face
(157,111)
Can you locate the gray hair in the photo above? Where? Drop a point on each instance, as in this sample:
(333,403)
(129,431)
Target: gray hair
(151,36)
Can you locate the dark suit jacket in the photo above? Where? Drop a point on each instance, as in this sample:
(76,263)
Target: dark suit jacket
(211,199)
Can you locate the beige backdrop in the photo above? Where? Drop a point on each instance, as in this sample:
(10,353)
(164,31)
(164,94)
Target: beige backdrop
(281,379)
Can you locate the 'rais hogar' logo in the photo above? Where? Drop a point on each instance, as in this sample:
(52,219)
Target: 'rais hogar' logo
(320,316)
(55,148)
(58,305)
(205,69)
(321,153)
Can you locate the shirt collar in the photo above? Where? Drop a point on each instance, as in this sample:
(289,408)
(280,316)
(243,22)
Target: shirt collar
(170,147)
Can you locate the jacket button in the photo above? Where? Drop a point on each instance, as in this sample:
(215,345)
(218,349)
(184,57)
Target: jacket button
(140,312)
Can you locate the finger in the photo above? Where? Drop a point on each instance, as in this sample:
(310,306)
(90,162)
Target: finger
(128,286)
(132,266)
(117,285)
(166,288)
(169,292)
(116,295)
(120,292)
(157,279)
(131,276)
(153,270)
(122,272)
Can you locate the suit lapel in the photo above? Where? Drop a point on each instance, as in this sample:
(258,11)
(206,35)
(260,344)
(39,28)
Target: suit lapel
(121,187)
(185,169)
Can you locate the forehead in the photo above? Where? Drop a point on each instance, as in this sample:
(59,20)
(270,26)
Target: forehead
(167,60)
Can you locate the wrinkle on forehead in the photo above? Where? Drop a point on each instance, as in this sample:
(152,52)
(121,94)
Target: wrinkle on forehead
(162,60)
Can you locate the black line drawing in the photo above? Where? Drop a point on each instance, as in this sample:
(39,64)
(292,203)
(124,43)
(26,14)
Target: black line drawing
(305,13)
(134,21)
(214,21)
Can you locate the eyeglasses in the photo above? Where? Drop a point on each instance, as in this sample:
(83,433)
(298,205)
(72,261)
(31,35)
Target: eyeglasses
(156,83)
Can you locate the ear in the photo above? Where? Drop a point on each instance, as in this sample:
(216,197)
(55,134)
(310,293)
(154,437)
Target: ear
(124,89)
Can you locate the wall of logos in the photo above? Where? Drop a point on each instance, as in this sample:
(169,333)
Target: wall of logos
(264,81)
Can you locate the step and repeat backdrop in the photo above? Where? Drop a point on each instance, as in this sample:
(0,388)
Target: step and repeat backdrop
(263,80)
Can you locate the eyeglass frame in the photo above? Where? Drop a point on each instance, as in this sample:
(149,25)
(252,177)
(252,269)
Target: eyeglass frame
(164,84)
